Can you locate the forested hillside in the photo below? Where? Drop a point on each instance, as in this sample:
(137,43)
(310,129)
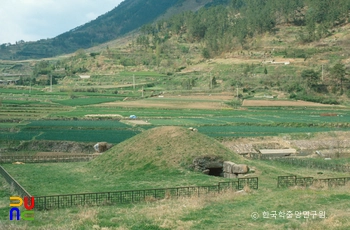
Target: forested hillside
(129,15)
(226,24)
(221,25)
(301,30)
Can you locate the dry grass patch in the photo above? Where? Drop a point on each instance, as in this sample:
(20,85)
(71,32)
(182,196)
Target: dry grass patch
(87,215)
(13,226)
(334,221)
(167,213)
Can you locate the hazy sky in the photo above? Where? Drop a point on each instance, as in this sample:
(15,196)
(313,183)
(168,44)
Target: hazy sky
(31,20)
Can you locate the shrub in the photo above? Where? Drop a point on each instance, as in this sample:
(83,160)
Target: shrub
(205,53)
(184,49)
(314,98)
(292,96)
(234,103)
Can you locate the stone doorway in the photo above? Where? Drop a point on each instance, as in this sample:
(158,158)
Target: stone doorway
(210,165)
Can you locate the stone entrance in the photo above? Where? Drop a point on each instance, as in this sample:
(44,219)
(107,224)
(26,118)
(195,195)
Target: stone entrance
(210,165)
(216,166)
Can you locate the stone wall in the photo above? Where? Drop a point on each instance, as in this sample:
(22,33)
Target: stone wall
(232,170)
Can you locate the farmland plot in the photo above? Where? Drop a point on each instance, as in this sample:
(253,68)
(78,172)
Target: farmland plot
(79,123)
(84,131)
(245,131)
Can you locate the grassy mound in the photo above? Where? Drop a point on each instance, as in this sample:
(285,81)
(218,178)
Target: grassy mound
(160,148)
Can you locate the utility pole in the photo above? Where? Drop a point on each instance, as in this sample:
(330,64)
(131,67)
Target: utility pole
(210,82)
(237,89)
(142,91)
(30,87)
(51,83)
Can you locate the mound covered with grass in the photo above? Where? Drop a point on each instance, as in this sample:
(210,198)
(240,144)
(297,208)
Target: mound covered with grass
(165,147)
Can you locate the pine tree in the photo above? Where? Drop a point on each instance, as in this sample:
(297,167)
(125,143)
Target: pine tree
(338,74)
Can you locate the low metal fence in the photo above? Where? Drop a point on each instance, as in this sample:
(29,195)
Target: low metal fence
(252,182)
(134,196)
(289,181)
(130,196)
(46,159)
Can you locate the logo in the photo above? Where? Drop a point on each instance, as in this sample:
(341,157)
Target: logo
(27,214)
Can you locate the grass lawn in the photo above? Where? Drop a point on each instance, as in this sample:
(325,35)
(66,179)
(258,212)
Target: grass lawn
(66,178)
(295,208)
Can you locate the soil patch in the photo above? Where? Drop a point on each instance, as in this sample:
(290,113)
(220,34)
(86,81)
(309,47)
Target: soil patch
(280,103)
(325,142)
(104,115)
(207,97)
(136,122)
(244,146)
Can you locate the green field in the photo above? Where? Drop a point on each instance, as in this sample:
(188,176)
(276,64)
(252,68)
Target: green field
(81,131)
(242,131)
(214,123)
(56,117)
(77,178)
(86,101)
(66,178)
(205,212)
(94,131)
(104,124)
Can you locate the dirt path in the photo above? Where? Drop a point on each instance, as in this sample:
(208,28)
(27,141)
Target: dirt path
(281,103)
(136,122)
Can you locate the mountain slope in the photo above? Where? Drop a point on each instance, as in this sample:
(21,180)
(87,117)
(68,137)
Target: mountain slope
(128,16)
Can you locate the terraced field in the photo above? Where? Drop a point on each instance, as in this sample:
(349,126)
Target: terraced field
(81,131)
(40,115)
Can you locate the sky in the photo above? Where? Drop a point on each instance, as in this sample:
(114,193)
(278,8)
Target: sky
(32,20)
